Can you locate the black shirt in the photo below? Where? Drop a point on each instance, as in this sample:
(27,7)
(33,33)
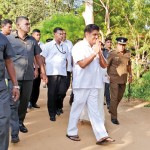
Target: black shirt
(25,50)
(6,52)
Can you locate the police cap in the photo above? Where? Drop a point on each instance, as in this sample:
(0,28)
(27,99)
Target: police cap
(121,40)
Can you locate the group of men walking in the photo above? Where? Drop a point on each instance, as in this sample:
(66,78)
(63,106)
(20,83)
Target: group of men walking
(27,60)
(22,49)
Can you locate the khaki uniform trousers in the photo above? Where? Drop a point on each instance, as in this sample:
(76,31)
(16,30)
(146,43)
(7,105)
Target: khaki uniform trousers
(116,92)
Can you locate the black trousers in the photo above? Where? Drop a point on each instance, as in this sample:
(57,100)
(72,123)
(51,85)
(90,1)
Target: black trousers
(57,86)
(68,79)
(35,89)
(107,93)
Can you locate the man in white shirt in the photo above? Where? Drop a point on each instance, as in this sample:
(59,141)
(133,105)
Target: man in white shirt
(86,84)
(69,66)
(55,54)
(36,33)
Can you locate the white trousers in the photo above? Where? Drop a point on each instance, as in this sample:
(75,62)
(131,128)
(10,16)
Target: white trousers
(84,114)
(101,103)
(88,98)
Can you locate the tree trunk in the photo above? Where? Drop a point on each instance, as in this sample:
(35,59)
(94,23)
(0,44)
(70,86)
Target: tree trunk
(107,16)
(88,13)
(137,57)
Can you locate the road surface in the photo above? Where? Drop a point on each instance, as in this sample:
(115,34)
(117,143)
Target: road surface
(133,133)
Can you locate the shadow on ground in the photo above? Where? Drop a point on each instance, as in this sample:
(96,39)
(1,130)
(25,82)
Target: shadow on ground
(133,133)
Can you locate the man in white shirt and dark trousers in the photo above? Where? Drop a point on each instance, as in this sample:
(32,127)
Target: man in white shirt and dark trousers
(86,84)
(69,66)
(106,50)
(69,59)
(37,81)
(55,54)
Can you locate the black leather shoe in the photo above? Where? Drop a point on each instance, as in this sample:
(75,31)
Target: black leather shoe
(61,111)
(108,106)
(58,112)
(15,139)
(29,105)
(115,121)
(53,118)
(23,128)
(36,106)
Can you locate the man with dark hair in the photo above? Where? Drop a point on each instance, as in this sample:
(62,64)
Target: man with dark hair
(119,66)
(36,82)
(6,52)
(6,26)
(88,61)
(26,49)
(69,66)
(69,59)
(20,18)
(48,40)
(55,54)
(107,48)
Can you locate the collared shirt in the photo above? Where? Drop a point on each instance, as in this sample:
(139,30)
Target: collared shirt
(40,44)
(69,45)
(6,52)
(55,58)
(117,66)
(90,76)
(25,50)
(105,52)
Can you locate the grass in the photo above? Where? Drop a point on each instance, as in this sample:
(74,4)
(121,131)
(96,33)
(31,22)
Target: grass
(140,88)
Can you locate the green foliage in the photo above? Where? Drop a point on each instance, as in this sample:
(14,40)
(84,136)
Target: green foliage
(140,88)
(148,105)
(73,25)
(35,10)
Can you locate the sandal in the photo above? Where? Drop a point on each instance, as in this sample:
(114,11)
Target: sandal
(109,140)
(73,137)
(105,140)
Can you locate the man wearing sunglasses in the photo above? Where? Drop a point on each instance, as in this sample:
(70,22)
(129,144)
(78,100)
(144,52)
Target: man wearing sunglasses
(25,49)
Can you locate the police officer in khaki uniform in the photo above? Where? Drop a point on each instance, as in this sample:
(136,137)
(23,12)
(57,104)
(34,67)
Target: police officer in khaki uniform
(119,66)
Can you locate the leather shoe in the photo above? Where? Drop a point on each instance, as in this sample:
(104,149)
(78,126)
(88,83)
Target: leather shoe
(115,121)
(108,106)
(15,139)
(36,106)
(23,128)
(61,111)
(29,105)
(53,118)
(58,112)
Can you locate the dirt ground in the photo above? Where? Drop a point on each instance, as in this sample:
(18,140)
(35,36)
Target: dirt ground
(133,133)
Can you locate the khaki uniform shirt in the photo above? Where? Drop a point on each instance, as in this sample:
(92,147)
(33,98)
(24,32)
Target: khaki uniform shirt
(117,66)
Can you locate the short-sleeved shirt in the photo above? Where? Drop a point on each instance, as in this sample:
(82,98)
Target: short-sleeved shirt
(41,44)
(69,45)
(90,76)
(6,52)
(25,50)
(55,58)
(117,66)
(105,53)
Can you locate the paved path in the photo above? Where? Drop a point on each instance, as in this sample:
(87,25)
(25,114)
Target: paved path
(133,133)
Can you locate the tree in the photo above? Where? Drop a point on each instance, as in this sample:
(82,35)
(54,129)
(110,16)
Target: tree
(35,10)
(74,26)
(88,13)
